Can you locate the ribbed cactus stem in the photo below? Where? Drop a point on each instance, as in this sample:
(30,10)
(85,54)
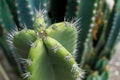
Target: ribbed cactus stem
(94,76)
(48,53)
(69,69)
(6,18)
(40,68)
(25,12)
(39,22)
(23,40)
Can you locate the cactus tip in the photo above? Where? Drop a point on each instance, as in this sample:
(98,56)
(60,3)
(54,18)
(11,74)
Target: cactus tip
(78,72)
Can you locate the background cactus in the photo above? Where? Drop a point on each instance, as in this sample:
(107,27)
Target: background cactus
(89,42)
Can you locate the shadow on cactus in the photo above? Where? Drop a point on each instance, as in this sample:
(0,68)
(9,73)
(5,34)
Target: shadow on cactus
(48,53)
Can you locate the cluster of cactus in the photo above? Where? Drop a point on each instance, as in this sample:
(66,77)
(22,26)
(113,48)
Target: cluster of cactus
(44,51)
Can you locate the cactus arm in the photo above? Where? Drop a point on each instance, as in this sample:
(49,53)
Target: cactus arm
(103,14)
(69,69)
(89,46)
(86,22)
(88,52)
(71,9)
(65,33)
(110,22)
(53,59)
(101,63)
(40,68)
(105,75)
(39,21)
(115,29)
(113,33)
(102,33)
(23,40)
(109,16)
(25,12)
(94,76)
(13,9)
(5,16)
(42,5)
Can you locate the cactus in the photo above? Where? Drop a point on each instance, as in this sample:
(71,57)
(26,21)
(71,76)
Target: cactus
(90,40)
(72,9)
(12,16)
(25,12)
(94,76)
(5,16)
(95,49)
(25,37)
(51,56)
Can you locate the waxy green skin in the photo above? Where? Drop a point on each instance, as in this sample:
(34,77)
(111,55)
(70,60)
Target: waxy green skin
(22,41)
(49,51)
(46,65)
(65,33)
(94,76)
(41,68)
(61,56)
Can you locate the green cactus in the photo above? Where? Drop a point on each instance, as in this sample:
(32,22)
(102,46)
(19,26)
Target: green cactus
(69,69)
(26,38)
(49,51)
(86,21)
(40,67)
(94,76)
(72,9)
(90,40)
(5,16)
(13,10)
(105,74)
(95,54)
(57,31)
(25,12)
